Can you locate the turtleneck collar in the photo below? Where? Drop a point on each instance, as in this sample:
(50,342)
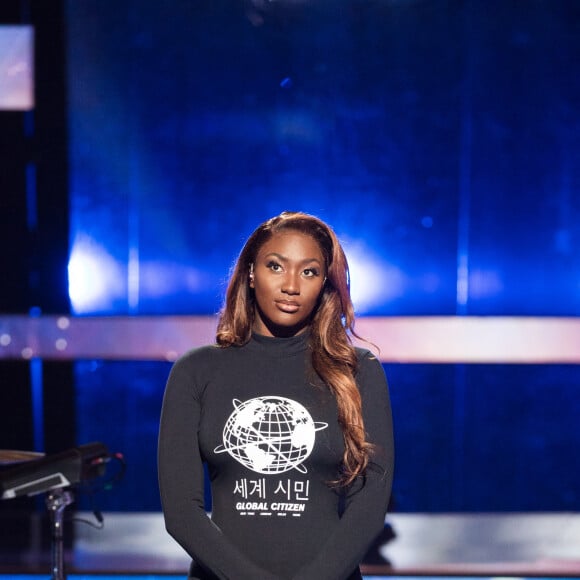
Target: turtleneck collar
(275,346)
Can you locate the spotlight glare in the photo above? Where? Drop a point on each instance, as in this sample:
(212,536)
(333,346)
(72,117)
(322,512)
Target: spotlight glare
(374,283)
(95,278)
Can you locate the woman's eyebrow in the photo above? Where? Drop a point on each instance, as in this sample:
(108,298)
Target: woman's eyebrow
(285,259)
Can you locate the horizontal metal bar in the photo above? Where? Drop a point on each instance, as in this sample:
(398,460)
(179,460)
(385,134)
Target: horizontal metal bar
(436,339)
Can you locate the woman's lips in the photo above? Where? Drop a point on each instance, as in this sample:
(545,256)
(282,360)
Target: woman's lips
(287,306)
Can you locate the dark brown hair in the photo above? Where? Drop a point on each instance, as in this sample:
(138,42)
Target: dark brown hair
(333,355)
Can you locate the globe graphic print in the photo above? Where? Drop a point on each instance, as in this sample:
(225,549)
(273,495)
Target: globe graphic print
(269,434)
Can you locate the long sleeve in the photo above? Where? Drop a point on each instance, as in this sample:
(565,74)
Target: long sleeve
(366,506)
(181,483)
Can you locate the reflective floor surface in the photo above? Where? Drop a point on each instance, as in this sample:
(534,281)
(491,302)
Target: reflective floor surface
(516,546)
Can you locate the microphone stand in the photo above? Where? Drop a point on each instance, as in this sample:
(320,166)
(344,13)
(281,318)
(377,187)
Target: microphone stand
(56,502)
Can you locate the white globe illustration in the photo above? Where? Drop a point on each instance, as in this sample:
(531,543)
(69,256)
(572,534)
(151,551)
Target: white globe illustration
(269,434)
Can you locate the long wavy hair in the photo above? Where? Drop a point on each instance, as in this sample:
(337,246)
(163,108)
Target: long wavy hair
(332,326)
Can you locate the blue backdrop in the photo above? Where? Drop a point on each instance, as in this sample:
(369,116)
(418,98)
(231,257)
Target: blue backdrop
(440,139)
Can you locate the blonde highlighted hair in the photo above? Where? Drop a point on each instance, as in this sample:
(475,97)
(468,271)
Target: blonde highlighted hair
(333,355)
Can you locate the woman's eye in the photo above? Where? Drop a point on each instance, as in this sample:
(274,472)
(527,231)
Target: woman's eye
(310,272)
(274,266)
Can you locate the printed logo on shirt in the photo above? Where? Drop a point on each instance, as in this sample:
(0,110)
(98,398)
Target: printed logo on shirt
(264,497)
(270,434)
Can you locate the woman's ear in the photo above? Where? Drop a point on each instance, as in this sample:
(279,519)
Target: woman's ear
(251,275)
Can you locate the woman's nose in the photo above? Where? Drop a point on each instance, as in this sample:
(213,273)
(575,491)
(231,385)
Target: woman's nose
(291,283)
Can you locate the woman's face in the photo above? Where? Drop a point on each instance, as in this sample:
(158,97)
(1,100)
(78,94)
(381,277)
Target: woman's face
(289,273)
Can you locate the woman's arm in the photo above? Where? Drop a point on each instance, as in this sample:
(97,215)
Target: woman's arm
(366,506)
(181,483)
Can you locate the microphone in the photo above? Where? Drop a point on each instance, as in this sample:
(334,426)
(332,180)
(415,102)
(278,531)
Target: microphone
(59,470)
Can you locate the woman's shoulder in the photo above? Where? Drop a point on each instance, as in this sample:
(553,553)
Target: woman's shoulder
(197,364)
(370,369)
(201,355)
(365,355)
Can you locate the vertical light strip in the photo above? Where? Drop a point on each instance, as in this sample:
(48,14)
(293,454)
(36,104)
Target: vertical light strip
(37,392)
(465,156)
(133,279)
(133,231)
(465,152)
(134,192)
(463,225)
(31,198)
(35,364)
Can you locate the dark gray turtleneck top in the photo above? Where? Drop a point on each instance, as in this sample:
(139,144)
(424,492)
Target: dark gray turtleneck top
(272,444)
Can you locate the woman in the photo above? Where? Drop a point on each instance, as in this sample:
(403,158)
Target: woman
(292,421)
